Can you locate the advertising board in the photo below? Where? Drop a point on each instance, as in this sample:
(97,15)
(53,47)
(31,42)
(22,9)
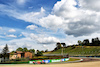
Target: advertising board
(48,61)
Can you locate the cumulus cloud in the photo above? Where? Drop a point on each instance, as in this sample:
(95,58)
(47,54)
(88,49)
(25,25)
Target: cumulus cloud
(24,42)
(43,39)
(11,36)
(65,8)
(12,30)
(13,43)
(77,21)
(27,45)
(90,5)
(73,20)
(66,16)
(31,27)
(46,47)
(51,21)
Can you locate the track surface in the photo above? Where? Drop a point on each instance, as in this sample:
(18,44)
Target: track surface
(83,64)
(87,59)
(95,62)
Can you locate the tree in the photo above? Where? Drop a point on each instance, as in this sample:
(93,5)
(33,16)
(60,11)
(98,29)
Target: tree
(12,52)
(25,49)
(58,45)
(19,49)
(95,41)
(39,53)
(32,50)
(5,52)
(42,51)
(86,42)
(46,50)
(64,45)
(1,56)
(79,42)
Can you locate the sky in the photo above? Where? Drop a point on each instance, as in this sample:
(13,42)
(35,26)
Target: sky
(40,24)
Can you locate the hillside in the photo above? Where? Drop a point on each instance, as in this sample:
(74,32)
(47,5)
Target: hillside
(79,51)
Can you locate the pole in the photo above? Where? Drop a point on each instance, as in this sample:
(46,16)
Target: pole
(62,50)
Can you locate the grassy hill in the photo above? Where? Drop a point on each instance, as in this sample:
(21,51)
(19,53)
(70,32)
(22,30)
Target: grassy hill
(79,51)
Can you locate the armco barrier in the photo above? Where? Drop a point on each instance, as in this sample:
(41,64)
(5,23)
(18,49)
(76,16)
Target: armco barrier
(48,61)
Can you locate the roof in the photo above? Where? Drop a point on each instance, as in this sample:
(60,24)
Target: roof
(15,53)
(19,52)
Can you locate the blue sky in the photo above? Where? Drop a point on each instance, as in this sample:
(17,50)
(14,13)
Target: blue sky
(40,24)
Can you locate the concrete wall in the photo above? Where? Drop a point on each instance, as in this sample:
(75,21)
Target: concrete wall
(13,57)
(28,55)
(18,55)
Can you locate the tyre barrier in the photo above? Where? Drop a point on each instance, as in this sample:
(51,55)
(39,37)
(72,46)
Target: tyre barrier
(48,61)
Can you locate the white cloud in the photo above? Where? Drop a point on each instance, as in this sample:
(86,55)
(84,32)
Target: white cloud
(0,28)
(31,27)
(90,5)
(32,17)
(65,8)
(51,21)
(21,2)
(27,45)
(47,40)
(42,10)
(11,36)
(72,20)
(20,35)
(82,22)
(12,30)
(24,42)
(46,47)
(43,39)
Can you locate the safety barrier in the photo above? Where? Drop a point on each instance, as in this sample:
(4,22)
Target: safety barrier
(48,61)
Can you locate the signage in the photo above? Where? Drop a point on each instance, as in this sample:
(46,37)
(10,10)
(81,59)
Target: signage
(48,61)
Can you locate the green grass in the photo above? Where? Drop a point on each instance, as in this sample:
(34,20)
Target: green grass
(15,62)
(80,51)
(73,59)
(47,52)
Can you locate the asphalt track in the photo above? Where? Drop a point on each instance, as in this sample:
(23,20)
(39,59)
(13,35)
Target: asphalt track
(87,62)
(83,64)
(87,59)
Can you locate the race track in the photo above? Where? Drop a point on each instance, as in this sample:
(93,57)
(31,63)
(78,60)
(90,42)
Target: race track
(83,64)
(88,62)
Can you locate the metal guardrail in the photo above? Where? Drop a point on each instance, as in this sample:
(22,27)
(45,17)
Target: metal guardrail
(54,54)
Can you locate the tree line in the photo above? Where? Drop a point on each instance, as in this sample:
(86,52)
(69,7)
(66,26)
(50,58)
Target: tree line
(86,42)
(39,53)
(59,45)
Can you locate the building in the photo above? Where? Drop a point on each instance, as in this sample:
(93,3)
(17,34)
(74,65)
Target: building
(20,54)
(13,56)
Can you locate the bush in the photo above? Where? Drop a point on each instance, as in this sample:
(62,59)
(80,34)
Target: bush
(39,53)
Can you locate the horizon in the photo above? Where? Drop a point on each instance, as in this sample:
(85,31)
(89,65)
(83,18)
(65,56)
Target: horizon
(40,24)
